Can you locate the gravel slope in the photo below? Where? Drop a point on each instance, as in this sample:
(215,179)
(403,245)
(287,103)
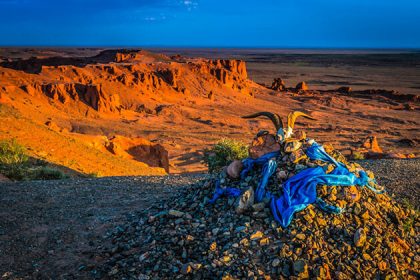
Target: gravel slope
(46,227)
(400,177)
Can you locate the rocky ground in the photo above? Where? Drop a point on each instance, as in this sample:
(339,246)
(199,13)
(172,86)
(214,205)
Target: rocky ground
(47,227)
(400,177)
(110,228)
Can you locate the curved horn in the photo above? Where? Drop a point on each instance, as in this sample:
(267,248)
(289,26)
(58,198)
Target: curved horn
(291,118)
(275,118)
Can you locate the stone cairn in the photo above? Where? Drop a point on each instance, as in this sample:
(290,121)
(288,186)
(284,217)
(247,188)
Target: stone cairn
(375,237)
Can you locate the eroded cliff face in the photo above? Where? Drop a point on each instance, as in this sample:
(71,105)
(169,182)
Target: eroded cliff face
(91,94)
(110,94)
(237,67)
(230,73)
(127,81)
(140,149)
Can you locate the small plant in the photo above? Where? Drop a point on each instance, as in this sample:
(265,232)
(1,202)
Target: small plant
(13,160)
(92,175)
(409,222)
(224,152)
(47,173)
(16,165)
(15,172)
(11,153)
(358,156)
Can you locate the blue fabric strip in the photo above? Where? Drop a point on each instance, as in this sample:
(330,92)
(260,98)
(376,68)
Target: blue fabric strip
(218,192)
(327,207)
(248,164)
(300,190)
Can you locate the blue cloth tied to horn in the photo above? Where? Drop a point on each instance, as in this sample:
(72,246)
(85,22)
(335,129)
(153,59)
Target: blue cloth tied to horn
(300,190)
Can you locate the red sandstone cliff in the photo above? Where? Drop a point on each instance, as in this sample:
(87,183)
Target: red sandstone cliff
(110,87)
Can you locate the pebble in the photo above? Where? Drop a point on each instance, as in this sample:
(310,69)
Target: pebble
(213,246)
(258,206)
(264,241)
(299,267)
(359,237)
(186,268)
(301,236)
(257,235)
(276,262)
(175,213)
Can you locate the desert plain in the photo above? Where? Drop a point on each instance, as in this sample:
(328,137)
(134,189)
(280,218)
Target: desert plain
(148,112)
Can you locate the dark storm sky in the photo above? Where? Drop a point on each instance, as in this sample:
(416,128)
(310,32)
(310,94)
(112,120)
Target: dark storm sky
(212,23)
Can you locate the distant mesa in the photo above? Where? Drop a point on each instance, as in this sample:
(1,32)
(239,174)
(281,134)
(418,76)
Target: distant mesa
(80,93)
(237,67)
(116,80)
(127,57)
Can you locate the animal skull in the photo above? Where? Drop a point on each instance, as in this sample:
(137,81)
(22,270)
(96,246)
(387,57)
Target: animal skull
(282,133)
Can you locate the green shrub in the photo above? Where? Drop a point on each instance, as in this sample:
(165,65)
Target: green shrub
(92,175)
(358,156)
(224,152)
(15,172)
(13,160)
(410,220)
(16,165)
(11,153)
(47,173)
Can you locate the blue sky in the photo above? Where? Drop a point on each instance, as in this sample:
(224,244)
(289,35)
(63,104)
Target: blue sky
(212,23)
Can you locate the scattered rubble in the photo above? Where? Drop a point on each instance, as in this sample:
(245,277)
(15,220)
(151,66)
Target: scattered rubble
(215,241)
(278,85)
(236,237)
(344,89)
(370,149)
(371,144)
(301,86)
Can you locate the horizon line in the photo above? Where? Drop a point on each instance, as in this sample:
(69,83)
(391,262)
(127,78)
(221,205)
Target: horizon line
(209,47)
